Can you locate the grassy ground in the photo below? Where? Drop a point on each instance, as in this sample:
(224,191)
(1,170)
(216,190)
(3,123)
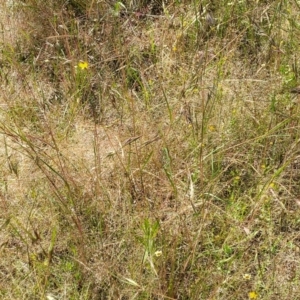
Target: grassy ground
(149,150)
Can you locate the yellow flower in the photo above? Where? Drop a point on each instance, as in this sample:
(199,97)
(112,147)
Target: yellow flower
(212,128)
(83,65)
(158,253)
(272,185)
(252,295)
(247,276)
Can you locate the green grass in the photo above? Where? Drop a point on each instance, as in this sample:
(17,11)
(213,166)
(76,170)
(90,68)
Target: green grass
(166,169)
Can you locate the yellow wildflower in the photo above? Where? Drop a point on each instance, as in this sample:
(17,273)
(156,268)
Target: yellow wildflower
(83,65)
(212,128)
(247,276)
(252,295)
(158,253)
(272,185)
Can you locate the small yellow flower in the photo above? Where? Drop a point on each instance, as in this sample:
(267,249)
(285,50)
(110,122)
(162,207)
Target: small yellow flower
(158,253)
(83,65)
(247,276)
(252,295)
(212,128)
(272,185)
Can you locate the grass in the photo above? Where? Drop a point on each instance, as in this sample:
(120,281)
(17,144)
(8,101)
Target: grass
(149,150)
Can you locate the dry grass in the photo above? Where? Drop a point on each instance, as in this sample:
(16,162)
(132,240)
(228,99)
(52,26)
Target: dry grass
(167,169)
